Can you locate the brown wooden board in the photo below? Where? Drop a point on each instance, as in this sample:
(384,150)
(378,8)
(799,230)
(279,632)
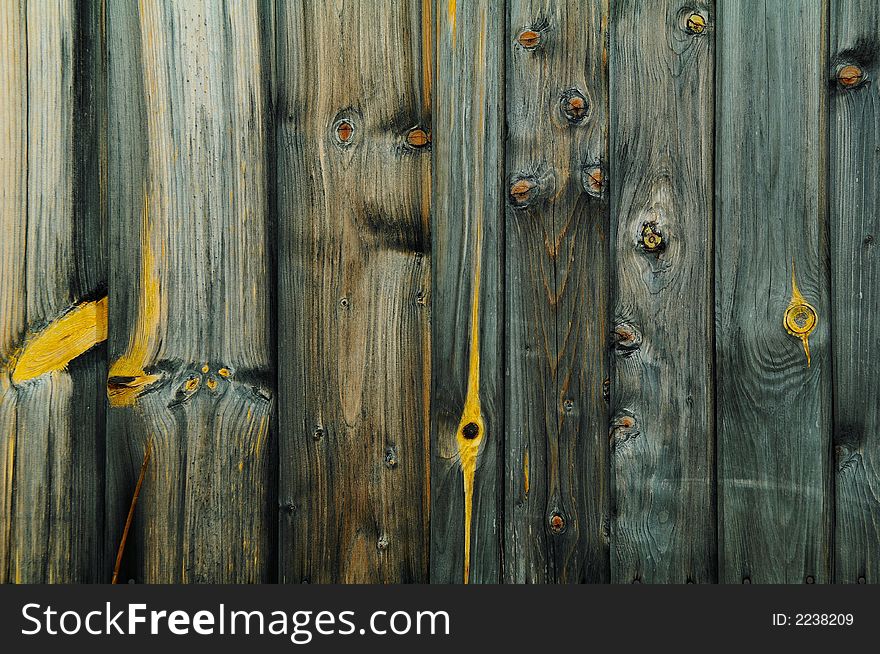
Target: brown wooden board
(354,274)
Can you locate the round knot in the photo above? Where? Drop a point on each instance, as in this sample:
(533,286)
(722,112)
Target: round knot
(800,319)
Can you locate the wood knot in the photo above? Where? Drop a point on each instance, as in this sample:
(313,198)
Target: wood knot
(522,191)
(652,239)
(695,23)
(626,338)
(470,431)
(593,178)
(390,457)
(850,76)
(574,106)
(418,138)
(318,434)
(186,389)
(382,543)
(800,319)
(623,429)
(529,39)
(568,405)
(343,131)
(556,523)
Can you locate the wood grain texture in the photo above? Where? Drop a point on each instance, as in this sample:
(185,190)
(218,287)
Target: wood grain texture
(51,259)
(190,320)
(662,432)
(556,290)
(774,410)
(854,192)
(466,230)
(354,264)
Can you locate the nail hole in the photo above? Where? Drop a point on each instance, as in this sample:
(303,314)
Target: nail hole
(471,430)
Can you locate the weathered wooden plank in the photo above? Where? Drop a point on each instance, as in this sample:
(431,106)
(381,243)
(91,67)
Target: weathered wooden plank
(556,501)
(466,299)
(353,214)
(190,340)
(854,192)
(774,400)
(52,264)
(662,433)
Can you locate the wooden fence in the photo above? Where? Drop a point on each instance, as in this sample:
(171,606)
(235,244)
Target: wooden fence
(355,291)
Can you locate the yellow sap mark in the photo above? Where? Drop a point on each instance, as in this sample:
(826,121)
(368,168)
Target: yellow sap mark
(471,428)
(451,10)
(800,317)
(127,375)
(69,336)
(526,471)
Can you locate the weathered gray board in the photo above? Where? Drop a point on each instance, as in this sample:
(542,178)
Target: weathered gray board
(466,300)
(190,345)
(854,221)
(51,260)
(519,190)
(773,401)
(662,432)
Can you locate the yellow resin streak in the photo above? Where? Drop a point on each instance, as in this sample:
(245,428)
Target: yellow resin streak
(142,344)
(66,338)
(800,317)
(469,448)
